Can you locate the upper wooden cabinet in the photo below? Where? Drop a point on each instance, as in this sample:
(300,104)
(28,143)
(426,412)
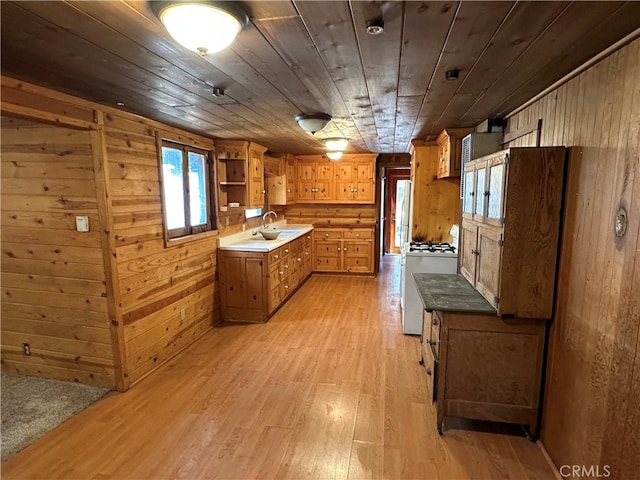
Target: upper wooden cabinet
(290,193)
(240,174)
(511,213)
(449,151)
(350,180)
(355,182)
(280,175)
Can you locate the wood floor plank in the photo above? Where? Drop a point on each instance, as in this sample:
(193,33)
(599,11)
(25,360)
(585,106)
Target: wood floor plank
(328,388)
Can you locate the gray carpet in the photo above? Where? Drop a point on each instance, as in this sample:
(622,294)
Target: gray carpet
(33,406)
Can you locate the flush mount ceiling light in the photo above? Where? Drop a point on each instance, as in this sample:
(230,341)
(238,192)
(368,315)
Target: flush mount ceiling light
(202,26)
(375,26)
(312,122)
(334,155)
(336,143)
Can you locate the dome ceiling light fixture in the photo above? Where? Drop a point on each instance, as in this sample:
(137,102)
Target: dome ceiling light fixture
(336,143)
(201,26)
(312,122)
(334,156)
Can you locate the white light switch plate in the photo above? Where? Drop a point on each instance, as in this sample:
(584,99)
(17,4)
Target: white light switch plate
(82,223)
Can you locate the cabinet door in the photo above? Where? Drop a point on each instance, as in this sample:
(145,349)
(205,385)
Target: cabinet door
(291,181)
(480,191)
(468,192)
(467,252)
(365,186)
(345,192)
(489,263)
(346,172)
(256,169)
(324,181)
(496,174)
(444,155)
(358,256)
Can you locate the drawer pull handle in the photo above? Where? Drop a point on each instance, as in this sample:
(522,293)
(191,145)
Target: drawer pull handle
(286,250)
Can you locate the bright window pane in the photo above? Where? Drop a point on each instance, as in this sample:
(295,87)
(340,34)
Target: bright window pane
(197,188)
(173,187)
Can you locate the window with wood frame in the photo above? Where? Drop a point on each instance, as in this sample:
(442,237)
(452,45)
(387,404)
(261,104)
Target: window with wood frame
(187,193)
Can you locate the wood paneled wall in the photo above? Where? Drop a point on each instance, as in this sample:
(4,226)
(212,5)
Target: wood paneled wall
(331,214)
(436,202)
(591,410)
(155,282)
(116,288)
(54,293)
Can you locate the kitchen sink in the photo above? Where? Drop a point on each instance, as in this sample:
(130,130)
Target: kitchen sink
(288,233)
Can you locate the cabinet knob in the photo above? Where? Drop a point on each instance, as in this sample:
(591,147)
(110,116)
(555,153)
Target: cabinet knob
(428,370)
(434,321)
(326,235)
(281,273)
(276,256)
(475,252)
(338,248)
(471,194)
(306,253)
(357,235)
(286,266)
(486,194)
(286,287)
(299,259)
(432,342)
(286,250)
(345,249)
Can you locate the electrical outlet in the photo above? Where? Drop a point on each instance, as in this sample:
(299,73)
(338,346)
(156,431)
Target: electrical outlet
(26,349)
(183,314)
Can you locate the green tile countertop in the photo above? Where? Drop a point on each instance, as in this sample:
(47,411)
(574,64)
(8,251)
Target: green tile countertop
(450,293)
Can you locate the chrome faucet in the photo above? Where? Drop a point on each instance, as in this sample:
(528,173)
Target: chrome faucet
(264,217)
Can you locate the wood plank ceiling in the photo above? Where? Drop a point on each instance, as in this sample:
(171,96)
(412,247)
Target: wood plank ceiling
(306,56)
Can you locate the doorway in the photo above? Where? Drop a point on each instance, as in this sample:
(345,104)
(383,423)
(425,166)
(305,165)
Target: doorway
(397,202)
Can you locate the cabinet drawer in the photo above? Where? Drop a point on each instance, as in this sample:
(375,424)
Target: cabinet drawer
(328,248)
(275,275)
(426,327)
(275,255)
(435,323)
(365,234)
(327,264)
(358,264)
(333,234)
(274,297)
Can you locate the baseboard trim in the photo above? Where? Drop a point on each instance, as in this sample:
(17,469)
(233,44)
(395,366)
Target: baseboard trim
(547,457)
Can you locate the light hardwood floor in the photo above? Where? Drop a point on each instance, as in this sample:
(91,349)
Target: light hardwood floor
(329,388)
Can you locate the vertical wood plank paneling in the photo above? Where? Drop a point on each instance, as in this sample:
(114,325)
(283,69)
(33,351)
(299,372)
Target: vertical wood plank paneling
(54,285)
(591,414)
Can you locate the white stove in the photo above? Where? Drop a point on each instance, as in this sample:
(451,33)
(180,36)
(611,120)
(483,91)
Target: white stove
(423,257)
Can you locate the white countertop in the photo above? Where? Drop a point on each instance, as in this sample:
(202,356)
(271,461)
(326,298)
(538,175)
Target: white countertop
(247,241)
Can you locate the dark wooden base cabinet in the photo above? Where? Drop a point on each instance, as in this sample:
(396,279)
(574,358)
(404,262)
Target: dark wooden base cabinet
(484,367)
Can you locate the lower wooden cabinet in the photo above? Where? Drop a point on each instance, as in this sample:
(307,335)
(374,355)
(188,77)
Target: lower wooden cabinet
(254,284)
(484,367)
(343,250)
